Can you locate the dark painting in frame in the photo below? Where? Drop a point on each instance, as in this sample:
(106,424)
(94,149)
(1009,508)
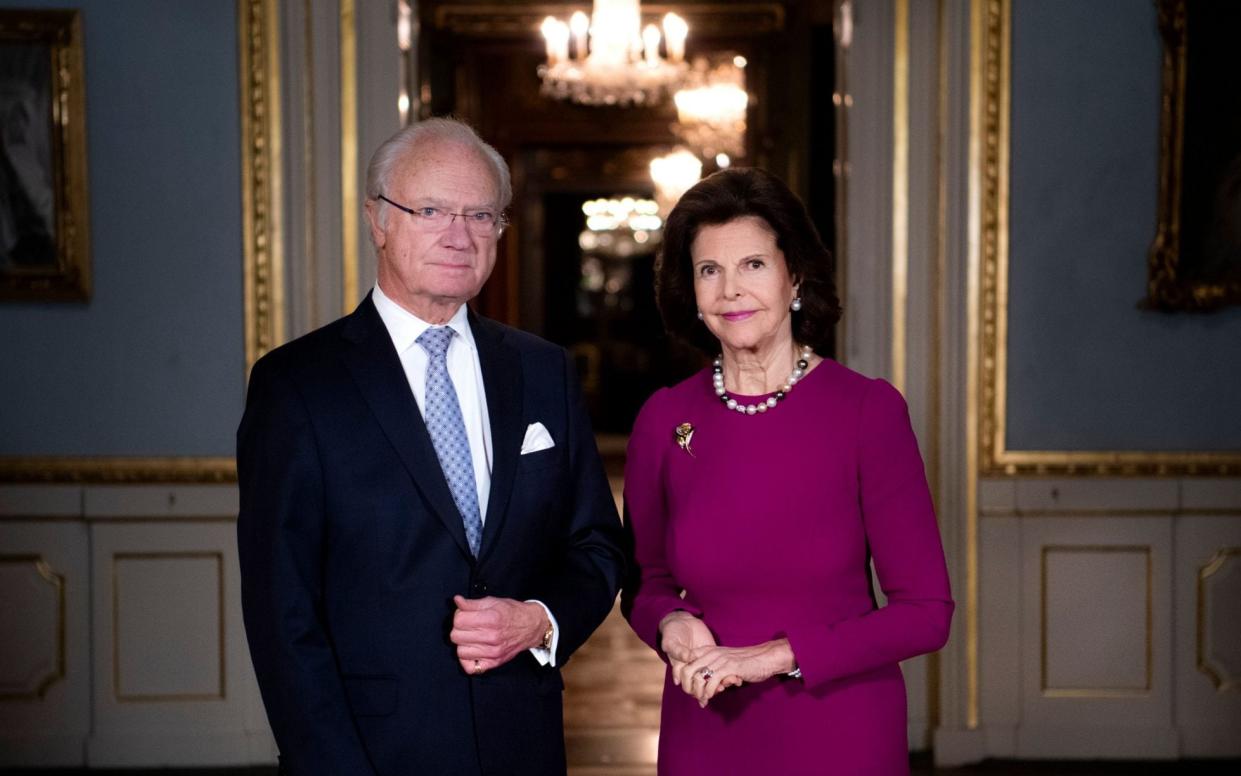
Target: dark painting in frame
(44,227)
(1195,259)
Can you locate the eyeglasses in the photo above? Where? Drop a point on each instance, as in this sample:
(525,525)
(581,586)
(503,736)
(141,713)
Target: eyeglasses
(481,223)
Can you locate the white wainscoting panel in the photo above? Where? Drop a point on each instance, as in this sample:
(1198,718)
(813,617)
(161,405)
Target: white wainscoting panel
(168,630)
(44,642)
(1000,633)
(1037,496)
(172,676)
(1208,612)
(1096,620)
(1096,653)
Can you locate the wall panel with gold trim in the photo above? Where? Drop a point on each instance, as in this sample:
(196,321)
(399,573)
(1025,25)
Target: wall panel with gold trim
(173,683)
(44,643)
(1208,635)
(1096,644)
(1108,617)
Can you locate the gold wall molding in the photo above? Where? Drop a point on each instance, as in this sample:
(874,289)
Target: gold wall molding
(261,189)
(989,21)
(1114,512)
(263,267)
(991,239)
(221,693)
(114,470)
(349,213)
(57,581)
(900,196)
(1096,692)
(1221,681)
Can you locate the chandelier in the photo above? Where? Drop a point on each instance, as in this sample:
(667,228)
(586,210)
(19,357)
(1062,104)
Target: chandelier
(621,227)
(711,110)
(615,61)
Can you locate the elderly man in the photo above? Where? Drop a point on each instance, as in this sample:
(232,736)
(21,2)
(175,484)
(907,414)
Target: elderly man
(426,531)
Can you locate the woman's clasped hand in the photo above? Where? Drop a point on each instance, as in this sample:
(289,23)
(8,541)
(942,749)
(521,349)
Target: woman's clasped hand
(704,669)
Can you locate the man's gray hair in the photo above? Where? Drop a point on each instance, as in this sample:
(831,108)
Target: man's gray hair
(405,143)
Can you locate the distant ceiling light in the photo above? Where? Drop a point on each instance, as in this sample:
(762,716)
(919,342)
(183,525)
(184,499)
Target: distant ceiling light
(711,109)
(621,227)
(606,215)
(673,175)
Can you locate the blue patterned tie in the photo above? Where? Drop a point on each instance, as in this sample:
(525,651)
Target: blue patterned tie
(443,418)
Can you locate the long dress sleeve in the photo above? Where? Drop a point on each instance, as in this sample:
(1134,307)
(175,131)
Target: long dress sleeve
(903,539)
(651,592)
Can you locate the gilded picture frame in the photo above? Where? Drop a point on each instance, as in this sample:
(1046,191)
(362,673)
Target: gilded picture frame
(44,218)
(1194,263)
(987,415)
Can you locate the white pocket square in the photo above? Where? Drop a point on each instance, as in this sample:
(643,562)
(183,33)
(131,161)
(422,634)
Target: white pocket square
(536,439)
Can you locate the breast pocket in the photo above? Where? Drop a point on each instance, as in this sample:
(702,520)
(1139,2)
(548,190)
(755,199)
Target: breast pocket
(541,459)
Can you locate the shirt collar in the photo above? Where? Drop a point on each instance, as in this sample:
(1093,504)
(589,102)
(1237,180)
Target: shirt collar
(405,328)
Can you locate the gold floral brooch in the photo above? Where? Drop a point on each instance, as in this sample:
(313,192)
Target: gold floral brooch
(684,434)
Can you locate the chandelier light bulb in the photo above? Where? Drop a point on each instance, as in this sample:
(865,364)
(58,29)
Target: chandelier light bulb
(650,45)
(556,33)
(579,24)
(675,31)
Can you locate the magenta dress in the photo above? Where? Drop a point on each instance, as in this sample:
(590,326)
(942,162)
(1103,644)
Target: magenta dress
(769,528)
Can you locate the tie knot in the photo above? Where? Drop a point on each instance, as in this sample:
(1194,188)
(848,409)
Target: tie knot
(435,340)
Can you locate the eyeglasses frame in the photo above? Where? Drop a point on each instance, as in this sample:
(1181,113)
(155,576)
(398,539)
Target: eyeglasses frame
(500,225)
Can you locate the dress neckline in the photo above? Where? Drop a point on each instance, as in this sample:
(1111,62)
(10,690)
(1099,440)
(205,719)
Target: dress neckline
(753,397)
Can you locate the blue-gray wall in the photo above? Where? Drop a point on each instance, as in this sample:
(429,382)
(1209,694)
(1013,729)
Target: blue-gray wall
(1088,370)
(154,364)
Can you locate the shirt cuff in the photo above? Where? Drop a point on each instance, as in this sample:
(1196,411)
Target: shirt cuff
(547,657)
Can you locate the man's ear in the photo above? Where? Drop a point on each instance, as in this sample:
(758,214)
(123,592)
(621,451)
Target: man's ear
(372,220)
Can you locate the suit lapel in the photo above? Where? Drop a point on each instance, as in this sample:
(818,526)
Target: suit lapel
(377,370)
(502,380)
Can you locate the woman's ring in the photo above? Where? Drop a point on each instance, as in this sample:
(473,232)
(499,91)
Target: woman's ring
(706,672)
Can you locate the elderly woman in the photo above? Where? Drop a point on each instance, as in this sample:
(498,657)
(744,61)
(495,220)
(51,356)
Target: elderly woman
(758,493)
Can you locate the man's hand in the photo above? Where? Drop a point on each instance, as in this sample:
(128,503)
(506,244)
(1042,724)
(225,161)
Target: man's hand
(489,632)
(681,637)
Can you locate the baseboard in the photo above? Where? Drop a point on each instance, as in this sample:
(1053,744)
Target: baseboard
(162,748)
(42,751)
(1082,742)
(261,747)
(918,736)
(959,747)
(1206,740)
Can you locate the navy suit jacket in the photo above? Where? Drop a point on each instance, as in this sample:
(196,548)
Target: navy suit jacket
(351,550)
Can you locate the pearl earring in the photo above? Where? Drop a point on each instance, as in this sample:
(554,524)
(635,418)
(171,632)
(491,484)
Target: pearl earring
(796,305)
(700,315)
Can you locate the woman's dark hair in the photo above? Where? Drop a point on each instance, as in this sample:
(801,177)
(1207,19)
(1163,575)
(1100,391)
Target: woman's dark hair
(725,196)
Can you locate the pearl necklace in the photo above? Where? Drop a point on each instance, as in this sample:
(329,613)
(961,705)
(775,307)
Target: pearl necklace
(717,379)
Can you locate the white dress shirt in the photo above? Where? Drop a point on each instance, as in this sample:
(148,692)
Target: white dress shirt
(466,372)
